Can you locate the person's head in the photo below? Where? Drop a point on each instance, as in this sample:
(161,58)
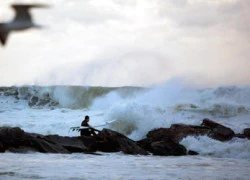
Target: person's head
(86,118)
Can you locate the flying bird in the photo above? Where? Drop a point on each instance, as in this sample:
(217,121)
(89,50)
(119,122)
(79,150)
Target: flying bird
(22,20)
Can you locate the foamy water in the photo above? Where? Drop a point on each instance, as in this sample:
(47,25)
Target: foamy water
(133,112)
(117,166)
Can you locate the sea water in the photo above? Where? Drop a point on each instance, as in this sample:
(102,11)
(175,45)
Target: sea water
(132,111)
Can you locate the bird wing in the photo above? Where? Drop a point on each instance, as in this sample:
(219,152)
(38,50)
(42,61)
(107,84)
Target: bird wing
(22,12)
(3,34)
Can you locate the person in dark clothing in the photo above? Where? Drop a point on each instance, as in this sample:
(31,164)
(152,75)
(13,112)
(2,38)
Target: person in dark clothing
(88,131)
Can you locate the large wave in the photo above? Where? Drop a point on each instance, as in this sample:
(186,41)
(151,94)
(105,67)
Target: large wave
(73,97)
(134,111)
(173,102)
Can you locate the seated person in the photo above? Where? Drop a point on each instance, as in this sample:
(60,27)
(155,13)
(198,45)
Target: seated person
(88,131)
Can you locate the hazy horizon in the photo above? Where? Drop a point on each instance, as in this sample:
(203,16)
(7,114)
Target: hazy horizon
(129,43)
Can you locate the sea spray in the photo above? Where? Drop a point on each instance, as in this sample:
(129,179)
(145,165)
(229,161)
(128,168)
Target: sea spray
(133,110)
(236,148)
(172,103)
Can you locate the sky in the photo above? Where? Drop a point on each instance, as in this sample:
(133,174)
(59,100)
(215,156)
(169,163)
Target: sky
(129,43)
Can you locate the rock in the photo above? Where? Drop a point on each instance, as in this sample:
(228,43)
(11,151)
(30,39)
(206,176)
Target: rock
(46,146)
(242,136)
(246,132)
(15,139)
(168,147)
(2,149)
(191,152)
(33,101)
(11,138)
(72,144)
(165,141)
(145,144)
(9,91)
(177,132)
(218,131)
(111,141)
(164,147)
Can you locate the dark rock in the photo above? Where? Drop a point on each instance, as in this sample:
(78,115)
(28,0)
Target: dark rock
(165,141)
(168,148)
(177,132)
(246,132)
(191,152)
(72,144)
(46,146)
(164,147)
(11,138)
(9,91)
(145,144)
(15,139)
(33,101)
(21,149)
(111,141)
(9,133)
(1,147)
(43,102)
(218,131)
(242,136)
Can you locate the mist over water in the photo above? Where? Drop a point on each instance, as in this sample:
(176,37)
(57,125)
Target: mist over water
(133,111)
(132,66)
(129,43)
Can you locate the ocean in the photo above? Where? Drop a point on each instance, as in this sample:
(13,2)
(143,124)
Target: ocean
(132,111)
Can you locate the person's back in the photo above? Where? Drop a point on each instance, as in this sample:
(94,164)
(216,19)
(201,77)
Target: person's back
(88,131)
(85,122)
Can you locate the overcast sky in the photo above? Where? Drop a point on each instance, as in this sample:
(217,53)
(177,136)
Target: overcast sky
(130,42)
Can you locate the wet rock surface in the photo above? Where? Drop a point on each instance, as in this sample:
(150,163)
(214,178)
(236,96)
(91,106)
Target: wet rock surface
(218,131)
(161,141)
(246,133)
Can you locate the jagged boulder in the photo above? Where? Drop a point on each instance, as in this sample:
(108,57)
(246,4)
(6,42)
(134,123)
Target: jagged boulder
(73,144)
(164,147)
(168,147)
(33,101)
(145,144)
(165,141)
(246,133)
(177,132)
(192,153)
(218,131)
(11,137)
(112,141)
(238,135)
(41,144)
(15,139)
(1,147)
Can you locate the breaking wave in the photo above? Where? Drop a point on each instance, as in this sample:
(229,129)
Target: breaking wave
(134,110)
(73,97)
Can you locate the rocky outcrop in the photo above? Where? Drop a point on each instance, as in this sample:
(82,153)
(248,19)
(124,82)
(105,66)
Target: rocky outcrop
(16,140)
(109,141)
(165,141)
(161,141)
(177,132)
(246,133)
(218,131)
(167,147)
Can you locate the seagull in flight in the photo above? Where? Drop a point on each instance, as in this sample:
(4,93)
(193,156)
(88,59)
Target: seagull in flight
(22,20)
